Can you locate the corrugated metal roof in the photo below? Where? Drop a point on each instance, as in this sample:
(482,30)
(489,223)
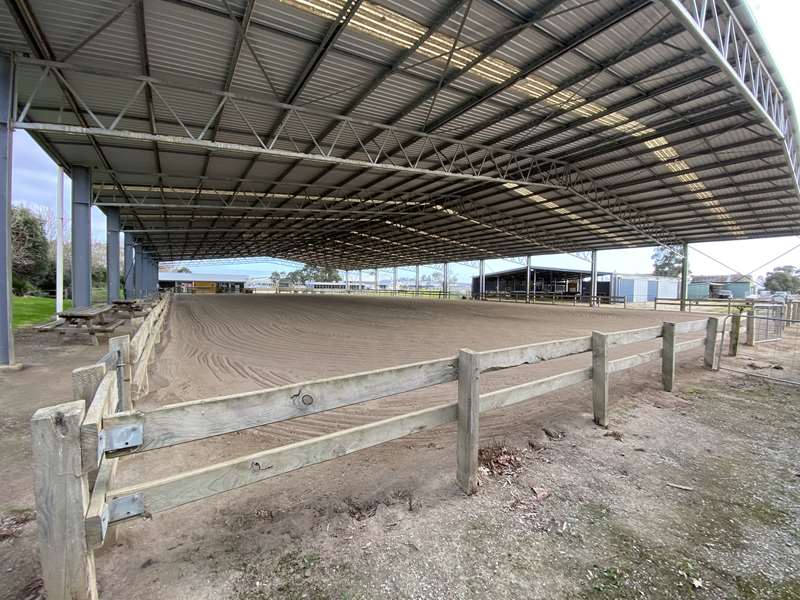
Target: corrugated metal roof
(639,104)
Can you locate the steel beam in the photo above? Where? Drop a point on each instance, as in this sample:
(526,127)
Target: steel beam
(752,79)
(576,40)
(81,236)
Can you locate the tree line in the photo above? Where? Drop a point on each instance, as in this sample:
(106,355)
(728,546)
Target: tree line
(33,253)
(667,262)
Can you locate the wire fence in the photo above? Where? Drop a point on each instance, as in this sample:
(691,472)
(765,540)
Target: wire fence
(763,343)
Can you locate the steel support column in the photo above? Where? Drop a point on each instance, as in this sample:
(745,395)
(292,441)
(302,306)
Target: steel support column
(376,279)
(394,280)
(481,279)
(528,278)
(112,253)
(416,280)
(6,133)
(129,289)
(593,300)
(154,265)
(445,288)
(138,270)
(347,281)
(360,282)
(685,276)
(60,241)
(81,237)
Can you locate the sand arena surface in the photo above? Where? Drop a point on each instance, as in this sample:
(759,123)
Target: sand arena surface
(218,345)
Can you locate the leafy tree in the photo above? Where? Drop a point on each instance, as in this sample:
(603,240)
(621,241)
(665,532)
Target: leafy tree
(783,279)
(314,273)
(667,262)
(275,278)
(183,270)
(30,250)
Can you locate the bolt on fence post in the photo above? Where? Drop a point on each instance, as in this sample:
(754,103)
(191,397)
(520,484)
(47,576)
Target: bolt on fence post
(61,489)
(668,356)
(600,378)
(468,420)
(712,331)
(736,325)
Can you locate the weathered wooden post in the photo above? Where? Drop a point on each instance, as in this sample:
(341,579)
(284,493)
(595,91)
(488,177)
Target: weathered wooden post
(750,329)
(736,326)
(61,489)
(468,420)
(668,356)
(600,378)
(122,347)
(712,332)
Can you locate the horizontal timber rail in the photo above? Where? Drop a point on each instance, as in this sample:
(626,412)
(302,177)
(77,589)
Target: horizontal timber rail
(715,305)
(551,297)
(97,438)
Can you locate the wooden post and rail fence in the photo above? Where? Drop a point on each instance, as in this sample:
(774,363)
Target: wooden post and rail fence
(77,445)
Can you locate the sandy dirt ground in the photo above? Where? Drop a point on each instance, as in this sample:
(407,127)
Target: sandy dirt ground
(575,511)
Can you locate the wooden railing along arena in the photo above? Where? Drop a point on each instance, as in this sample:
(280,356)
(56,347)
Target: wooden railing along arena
(80,442)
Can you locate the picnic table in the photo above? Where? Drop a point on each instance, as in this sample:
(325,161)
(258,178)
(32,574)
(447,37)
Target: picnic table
(129,305)
(89,321)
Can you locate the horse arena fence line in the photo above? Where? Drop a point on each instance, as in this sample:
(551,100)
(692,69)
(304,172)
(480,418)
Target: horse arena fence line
(766,339)
(551,298)
(77,445)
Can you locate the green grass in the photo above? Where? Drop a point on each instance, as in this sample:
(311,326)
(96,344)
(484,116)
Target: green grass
(31,310)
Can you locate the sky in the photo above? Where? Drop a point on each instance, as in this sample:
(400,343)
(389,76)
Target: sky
(34,185)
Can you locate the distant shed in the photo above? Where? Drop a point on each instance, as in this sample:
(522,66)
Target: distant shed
(202,283)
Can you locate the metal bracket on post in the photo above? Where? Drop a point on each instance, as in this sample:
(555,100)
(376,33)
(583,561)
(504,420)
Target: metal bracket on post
(125,507)
(123,437)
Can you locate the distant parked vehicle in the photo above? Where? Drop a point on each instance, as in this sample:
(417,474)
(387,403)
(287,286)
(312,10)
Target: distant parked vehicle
(724,294)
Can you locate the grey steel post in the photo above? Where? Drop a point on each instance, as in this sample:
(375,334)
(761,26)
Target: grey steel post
(6,134)
(416,280)
(81,236)
(593,285)
(527,279)
(155,274)
(376,280)
(60,241)
(360,282)
(394,279)
(138,270)
(445,288)
(129,293)
(534,285)
(481,279)
(112,252)
(685,276)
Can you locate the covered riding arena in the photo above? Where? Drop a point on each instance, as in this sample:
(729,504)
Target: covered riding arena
(362,135)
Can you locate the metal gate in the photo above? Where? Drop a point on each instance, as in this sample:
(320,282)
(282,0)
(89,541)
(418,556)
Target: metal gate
(767,345)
